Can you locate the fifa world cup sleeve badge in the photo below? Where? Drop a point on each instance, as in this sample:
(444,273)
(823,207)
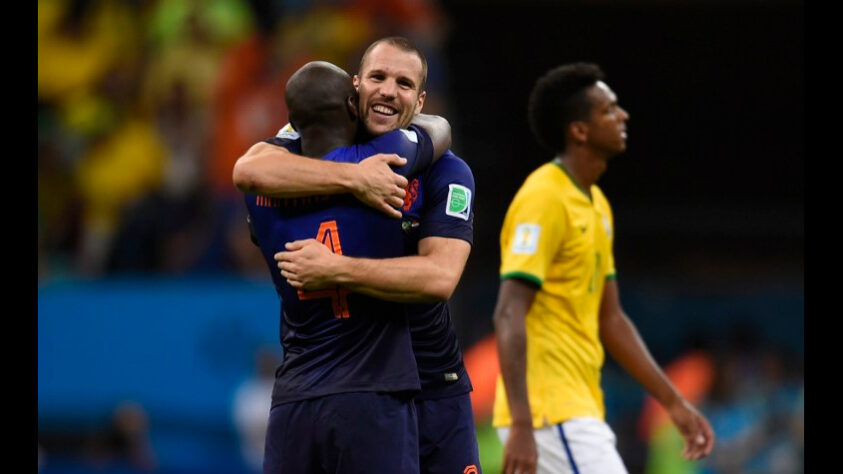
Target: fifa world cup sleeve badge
(459,201)
(526,239)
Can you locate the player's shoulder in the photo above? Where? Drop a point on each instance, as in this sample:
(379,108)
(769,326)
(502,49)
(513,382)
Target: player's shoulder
(598,193)
(547,174)
(600,198)
(398,134)
(411,133)
(287,132)
(394,141)
(544,180)
(287,137)
(451,164)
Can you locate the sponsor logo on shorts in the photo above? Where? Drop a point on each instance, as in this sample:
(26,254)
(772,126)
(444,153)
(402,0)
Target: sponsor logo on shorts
(459,201)
(526,239)
(470,469)
(451,376)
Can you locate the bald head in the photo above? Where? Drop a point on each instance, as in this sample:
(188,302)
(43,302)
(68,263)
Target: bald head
(318,94)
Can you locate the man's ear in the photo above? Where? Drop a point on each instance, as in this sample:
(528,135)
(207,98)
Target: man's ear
(420,102)
(578,130)
(351,104)
(355,80)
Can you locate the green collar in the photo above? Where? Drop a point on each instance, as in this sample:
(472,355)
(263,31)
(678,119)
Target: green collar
(558,162)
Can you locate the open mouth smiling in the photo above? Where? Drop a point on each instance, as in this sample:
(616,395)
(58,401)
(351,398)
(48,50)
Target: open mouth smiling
(384,110)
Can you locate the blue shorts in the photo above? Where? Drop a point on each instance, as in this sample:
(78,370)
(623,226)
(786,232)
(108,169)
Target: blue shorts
(359,432)
(447,439)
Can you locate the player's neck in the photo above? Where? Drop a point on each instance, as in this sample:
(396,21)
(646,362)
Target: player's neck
(584,168)
(319,142)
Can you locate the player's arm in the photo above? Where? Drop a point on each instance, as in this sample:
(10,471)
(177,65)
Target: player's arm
(515,296)
(432,275)
(423,142)
(274,171)
(623,342)
(439,131)
(446,234)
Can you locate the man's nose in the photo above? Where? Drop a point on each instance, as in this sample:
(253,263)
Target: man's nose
(389,88)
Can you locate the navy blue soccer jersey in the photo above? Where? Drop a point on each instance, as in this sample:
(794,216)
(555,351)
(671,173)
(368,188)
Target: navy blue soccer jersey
(439,203)
(336,341)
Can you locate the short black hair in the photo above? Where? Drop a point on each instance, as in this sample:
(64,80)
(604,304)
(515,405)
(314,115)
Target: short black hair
(559,98)
(403,44)
(316,95)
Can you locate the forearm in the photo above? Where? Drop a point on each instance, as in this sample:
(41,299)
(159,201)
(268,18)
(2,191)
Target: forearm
(514,300)
(439,130)
(410,279)
(512,356)
(273,171)
(621,339)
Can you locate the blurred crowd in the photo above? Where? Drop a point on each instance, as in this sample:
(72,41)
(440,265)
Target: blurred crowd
(145,105)
(753,393)
(117,445)
(757,410)
(143,108)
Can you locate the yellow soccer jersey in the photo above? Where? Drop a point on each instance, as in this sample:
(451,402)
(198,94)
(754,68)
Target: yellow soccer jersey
(557,237)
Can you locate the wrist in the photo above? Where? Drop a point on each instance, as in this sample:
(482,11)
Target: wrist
(522,419)
(521,425)
(350,178)
(342,270)
(672,401)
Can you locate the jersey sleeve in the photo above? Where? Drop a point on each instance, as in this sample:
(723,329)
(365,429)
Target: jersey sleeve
(414,144)
(252,235)
(288,138)
(534,229)
(611,271)
(449,200)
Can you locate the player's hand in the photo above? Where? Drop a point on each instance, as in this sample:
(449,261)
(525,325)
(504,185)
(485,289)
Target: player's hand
(695,429)
(519,454)
(377,186)
(307,264)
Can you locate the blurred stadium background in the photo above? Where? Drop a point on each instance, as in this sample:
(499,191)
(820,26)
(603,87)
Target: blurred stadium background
(157,324)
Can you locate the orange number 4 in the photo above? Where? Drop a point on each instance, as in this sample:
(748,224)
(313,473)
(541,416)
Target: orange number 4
(329,236)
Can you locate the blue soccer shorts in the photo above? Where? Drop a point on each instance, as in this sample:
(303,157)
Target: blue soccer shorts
(360,432)
(447,438)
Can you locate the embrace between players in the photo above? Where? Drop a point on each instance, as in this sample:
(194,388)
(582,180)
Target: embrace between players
(364,257)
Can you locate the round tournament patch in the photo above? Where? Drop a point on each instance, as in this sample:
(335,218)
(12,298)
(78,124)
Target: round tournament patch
(459,201)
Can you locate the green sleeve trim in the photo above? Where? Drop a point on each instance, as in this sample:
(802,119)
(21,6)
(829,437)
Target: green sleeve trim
(523,276)
(612,276)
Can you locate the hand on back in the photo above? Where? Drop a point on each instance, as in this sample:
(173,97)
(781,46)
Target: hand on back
(378,186)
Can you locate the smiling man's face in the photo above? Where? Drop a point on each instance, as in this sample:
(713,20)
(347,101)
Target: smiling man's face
(389,85)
